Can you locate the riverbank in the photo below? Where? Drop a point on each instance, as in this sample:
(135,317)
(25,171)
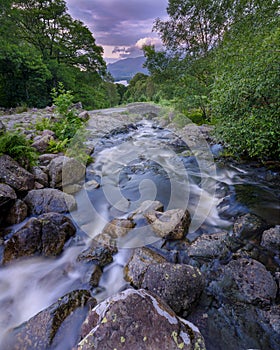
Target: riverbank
(203,243)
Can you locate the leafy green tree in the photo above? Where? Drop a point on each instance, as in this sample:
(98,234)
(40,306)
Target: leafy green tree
(46,25)
(246,92)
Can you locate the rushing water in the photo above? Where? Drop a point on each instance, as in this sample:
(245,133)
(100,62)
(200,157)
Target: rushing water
(144,163)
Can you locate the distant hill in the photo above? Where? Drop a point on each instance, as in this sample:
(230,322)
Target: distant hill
(125,69)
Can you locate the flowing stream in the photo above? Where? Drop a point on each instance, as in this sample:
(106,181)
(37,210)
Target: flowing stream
(143,163)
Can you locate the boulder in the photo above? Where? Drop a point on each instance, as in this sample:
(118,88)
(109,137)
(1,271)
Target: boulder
(249,226)
(12,174)
(64,171)
(46,158)
(7,199)
(244,280)
(97,254)
(17,213)
(271,239)
(172,224)
(179,285)
(137,320)
(138,264)
(40,176)
(208,247)
(118,228)
(45,235)
(57,327)
(49,200)
(41,145)
(84,116)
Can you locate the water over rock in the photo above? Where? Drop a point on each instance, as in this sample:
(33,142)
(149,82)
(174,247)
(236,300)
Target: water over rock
(137,320)
(45,235)
(57,327)
(12,174)
(49,200)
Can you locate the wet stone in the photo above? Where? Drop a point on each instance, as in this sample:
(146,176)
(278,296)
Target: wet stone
(137,320)
(56,327)
(249,226)
(49,200)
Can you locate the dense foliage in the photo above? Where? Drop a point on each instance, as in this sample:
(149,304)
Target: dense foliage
(220,64)
(41,44)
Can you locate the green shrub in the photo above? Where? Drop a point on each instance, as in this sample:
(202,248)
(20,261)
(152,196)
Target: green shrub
(19,148)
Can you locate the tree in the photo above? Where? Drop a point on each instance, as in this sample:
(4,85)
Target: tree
(46,25)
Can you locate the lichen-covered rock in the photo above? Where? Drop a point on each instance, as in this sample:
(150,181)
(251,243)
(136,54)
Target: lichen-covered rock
(57,327)
(179,285)
(249,226)
(46,158)
(12,174)
(137,320)
(271,239)
(49,200)
(97,254)
(208,247)
(172,224)
(64,171)
(17,213)
(45,235)
(245,280)
(135,269)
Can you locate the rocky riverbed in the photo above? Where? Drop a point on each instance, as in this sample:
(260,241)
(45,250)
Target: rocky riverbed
(158,244)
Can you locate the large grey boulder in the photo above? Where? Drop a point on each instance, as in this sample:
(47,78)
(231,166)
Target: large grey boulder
(64,171)
(45,235)
(49,200)
(57,327)
(12,174)
(137,320)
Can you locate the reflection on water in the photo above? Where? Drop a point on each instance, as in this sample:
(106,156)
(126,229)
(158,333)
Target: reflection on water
(146,163)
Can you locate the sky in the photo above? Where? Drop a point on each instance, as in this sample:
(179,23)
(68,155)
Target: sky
(120,26)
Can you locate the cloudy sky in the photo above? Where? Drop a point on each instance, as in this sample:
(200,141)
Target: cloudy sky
(120,26)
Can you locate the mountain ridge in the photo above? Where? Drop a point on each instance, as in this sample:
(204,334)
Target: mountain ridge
(126,68)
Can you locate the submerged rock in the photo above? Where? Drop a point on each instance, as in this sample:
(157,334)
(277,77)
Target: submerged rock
(12,174)
(49,200)
(137,320)
(44,235)
(172,224)
(57,327)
